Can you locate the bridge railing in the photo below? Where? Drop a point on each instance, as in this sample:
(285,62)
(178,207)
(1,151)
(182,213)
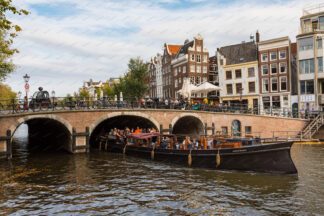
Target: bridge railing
(13,106)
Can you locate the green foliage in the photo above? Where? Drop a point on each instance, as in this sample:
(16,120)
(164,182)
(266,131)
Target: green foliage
(8,31)
(133,83)
(5,94)
(108,91)
(83,93)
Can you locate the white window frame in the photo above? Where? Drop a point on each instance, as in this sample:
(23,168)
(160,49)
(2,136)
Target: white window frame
(204,79)
(192,57)
(284,51)
(280,67)
(198,80)
(198,48)
(263,66)
(205,58)
(281,82)
(264,55)
(198,69)
(204,69)
(271,59)
(263,82)
(192,69)
(198,58)
(274,78)
(276,68)
(176,83)
(184,70)
(192,80)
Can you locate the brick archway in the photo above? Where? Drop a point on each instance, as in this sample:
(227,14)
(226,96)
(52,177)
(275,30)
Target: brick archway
(24,119)
(174,120)
(115,114)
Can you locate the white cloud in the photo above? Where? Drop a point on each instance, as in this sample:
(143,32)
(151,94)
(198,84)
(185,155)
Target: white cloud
(98,40)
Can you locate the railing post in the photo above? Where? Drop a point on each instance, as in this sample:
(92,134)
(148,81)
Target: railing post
(206,129)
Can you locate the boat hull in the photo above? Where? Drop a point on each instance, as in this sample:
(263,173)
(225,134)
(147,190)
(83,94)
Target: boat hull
(268,158)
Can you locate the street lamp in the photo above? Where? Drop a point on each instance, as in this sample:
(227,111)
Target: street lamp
(53,96)
(26,78)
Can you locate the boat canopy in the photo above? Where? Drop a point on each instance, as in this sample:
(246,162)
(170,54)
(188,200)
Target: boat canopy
(143,136)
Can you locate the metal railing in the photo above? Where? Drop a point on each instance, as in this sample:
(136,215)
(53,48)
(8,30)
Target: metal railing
(13,106)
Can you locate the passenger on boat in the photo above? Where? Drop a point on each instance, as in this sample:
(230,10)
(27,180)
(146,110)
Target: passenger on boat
(189,143)
(195,143)
(138,130)
(164,144)
(176,144)
(111,132)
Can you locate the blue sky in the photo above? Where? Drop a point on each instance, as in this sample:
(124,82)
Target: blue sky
(65,42)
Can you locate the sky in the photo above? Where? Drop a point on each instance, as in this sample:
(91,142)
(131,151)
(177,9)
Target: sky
(66,42)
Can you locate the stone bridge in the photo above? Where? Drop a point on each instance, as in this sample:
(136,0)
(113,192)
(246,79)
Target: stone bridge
(76,130)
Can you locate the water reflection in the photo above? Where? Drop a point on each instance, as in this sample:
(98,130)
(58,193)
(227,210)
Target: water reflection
(101,183)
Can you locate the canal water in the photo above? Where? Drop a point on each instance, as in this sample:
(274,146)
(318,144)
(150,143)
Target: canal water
(101,183)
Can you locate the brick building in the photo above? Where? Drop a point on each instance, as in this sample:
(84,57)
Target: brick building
(191,61)
(152,78)
(169,53)
(275,75)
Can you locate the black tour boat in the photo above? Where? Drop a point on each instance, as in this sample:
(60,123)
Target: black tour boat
(242,154)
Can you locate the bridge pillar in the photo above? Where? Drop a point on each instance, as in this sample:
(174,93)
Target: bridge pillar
(6,145)
(80,140)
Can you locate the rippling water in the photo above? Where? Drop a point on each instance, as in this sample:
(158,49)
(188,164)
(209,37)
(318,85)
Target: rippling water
(101,183)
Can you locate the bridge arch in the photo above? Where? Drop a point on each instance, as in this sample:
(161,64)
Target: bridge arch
(46,132)
(105,117)
(187,124)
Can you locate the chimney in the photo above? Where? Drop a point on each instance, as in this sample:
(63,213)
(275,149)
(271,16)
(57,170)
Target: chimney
(257,36)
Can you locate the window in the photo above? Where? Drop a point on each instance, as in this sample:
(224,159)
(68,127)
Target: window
(176,72)
(192,57)
(238,88)
(198,80)
(283,67)
(273,68)
(305,43)
(184,70)
(248,130)
(273,56)
(266,102)
(276,102)
(265,85)
(265,70)
(192,80)
(251,87)
(274,84)
(198,48)
(306,66)
(176,83)
(238,73)
(224,130)
(307,87)
(204,79)
(307,26)
(198,58)
(192,68)
(321,23)
(320,64)
(283,83)
(205,58)
(198,69)
(264,57)
(285,100)
(229,89)
(221,62)
(228,75)
(251,72)
(205,69)
(320,43)
(282,54)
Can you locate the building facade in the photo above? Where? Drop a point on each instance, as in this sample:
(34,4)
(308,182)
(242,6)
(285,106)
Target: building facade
(310,60)
(275,72)
(191,61)
(238,75)
(169,53)
(152,78)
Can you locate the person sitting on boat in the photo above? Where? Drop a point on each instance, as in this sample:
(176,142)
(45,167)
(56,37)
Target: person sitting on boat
(164,144)
(111,133)
(138,130)
(176,144)
(195,143)
(189,143)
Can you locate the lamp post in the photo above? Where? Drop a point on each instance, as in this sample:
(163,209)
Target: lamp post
(26,78)
(53,96)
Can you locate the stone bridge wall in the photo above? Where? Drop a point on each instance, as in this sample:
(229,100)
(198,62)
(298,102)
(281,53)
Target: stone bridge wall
(82,123)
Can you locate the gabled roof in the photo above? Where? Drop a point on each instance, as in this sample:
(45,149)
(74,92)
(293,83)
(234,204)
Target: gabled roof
(184,48)
(240,53)
(173,49)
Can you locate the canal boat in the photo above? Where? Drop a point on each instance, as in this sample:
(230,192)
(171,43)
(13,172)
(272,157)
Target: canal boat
(241,154)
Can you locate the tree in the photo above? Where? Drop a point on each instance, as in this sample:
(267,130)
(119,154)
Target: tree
(5,94)
(84,93)
(108,91)
(8,31)
(133,83)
